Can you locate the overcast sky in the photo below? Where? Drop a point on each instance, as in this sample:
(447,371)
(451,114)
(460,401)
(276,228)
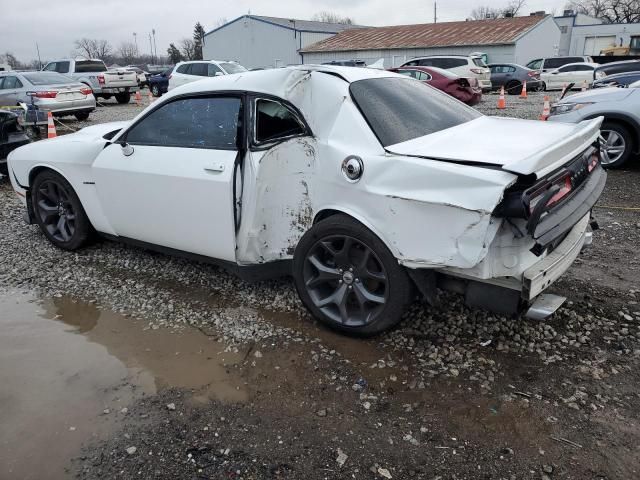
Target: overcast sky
(55,25)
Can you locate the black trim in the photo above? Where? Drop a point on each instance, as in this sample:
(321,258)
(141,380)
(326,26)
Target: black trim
(248,273)
(256,146)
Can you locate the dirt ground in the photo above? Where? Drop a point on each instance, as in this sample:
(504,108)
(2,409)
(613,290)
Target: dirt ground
(90,388)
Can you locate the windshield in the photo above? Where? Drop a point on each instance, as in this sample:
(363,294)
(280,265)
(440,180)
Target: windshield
(401,109)
(232,67)
(90,66)
(46,78)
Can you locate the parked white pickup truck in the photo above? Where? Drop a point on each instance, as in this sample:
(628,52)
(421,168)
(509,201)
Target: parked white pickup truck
(94,73)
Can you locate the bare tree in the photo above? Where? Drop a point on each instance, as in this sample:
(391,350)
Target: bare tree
(332,17)
(615,11)
(93,48)
(11,60)
(128,52)
(513,8)
(483,12)
(220,22)
(188,48)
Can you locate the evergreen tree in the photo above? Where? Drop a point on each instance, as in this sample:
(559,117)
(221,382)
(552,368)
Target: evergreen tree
(198,40)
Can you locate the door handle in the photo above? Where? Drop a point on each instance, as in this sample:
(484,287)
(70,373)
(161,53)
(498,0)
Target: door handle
(217,168)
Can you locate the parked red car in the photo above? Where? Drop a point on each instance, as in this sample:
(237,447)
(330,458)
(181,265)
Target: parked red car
(466,90)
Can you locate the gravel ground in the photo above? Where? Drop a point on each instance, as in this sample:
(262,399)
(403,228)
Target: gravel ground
(468,386)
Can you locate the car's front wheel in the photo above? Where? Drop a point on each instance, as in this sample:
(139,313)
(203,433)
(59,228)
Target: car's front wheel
(348,279)
(617,144)
(155,90)
(58,211)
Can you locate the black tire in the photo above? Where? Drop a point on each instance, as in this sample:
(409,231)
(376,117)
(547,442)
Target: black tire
(361,272)
(543,87)
(54,203)
(514,88)
(123,97)
(155,91)
(4,169)
(106,96)
(82,116)
(626,142)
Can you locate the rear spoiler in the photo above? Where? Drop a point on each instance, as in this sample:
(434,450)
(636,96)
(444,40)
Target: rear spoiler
(553,157)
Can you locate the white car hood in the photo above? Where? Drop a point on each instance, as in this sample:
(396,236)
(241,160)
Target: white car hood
(518,146)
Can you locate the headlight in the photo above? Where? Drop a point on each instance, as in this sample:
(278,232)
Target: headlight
(600,74)
(561,108)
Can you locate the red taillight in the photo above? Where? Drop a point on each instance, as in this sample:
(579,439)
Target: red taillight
(593,163)
(86,91)
(101,79)
(533,74)
(563,192)
(43,94)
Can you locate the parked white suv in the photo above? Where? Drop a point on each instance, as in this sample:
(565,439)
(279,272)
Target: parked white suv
(544,65)
(461,65)
(186,72)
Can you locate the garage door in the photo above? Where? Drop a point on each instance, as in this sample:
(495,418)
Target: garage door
(593,45)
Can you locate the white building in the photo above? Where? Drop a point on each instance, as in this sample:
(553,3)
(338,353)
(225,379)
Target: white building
(585,35)
(263,42)
(518,40)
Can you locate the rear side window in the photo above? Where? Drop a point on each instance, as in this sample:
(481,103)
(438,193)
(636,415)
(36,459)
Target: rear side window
(184,68)
(457,62)
(212,70)
(205,122)
(83,66)
(62,67)
(11,82)
(199,69)
(398,109)
(274,121)
(432,62)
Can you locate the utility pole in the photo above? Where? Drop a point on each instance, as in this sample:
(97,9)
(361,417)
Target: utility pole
(39,61)
(151,48)
(435,12)
(155,46)
(135,40)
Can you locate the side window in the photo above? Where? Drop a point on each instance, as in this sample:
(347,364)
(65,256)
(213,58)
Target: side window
(62,67)
(407,73)
(511,69)
(422,76)
(51,67)
(429,62)
(204,122)
(11,82)
(275,121)
(184,68)
(412,63)
(199,69)
(535,64)
(581,68)
(2,82)
(458,62)
(212,70)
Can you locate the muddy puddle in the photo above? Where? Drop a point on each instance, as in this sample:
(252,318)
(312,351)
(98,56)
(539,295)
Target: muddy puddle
(68,369)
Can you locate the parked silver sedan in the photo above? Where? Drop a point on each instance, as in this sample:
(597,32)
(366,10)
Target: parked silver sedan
(50,91)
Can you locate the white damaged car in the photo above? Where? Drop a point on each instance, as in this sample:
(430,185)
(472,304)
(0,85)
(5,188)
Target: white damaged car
(366,186)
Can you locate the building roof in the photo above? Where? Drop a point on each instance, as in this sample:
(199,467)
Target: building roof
(475,32)
(294,24)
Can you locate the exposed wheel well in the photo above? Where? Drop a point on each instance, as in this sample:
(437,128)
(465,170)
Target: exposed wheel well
(34,173)
(324,214)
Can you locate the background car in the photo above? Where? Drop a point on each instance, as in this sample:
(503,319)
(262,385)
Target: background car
(617,67)
(551,63)
(617,80)
(141,75)
(159,84)
(185,72)
(576,73)
(12,136)
(620,108)
(464,66)
(50,91)
(347,63)
(466,90)
(512,76)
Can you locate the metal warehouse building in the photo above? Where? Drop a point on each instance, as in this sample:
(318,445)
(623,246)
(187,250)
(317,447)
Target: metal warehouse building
(584,35)
(518,40)
(265,42)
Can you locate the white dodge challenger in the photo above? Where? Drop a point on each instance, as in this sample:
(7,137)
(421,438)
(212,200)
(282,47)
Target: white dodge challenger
(366,186)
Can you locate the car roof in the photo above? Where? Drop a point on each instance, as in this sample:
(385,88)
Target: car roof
(444,56)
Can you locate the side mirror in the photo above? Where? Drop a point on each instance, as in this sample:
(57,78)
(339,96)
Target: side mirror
(127,150)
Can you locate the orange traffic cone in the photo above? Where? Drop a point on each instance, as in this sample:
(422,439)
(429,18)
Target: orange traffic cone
(523,93)
(51,127)
(138,98)
(584,86)
(502,103)
(546,109)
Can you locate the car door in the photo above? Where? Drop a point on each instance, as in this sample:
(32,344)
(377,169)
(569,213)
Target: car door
(580,74)
(497,75)
(170,184)
(556,78)
(9,92)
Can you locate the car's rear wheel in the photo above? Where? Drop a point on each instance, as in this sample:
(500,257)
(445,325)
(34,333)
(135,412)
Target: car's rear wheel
(82,116)
(617,144)
(123,97)
(348,278)
(514,88)
(58,211)
(155,90)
